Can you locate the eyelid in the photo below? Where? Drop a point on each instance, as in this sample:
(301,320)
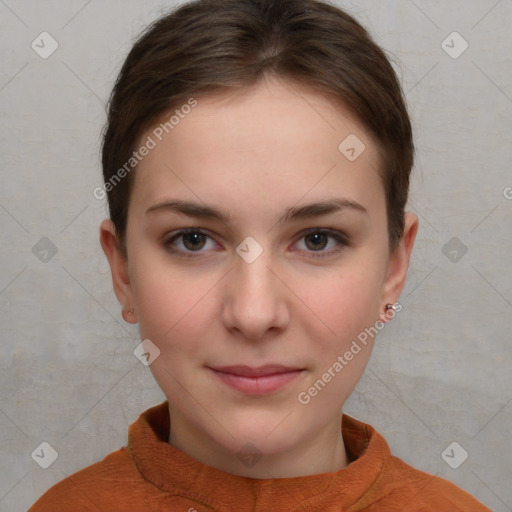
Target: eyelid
(333,233)
(336,234)
(169,238)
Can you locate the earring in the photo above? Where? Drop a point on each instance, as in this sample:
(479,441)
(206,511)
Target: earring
(129,315)
(388,316)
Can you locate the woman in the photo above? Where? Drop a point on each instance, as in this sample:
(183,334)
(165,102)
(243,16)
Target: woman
(256,161)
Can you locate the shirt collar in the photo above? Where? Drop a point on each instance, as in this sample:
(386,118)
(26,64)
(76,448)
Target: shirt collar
(174,471)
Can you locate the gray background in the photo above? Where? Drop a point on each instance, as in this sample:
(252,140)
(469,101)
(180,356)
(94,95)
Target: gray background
(440,372)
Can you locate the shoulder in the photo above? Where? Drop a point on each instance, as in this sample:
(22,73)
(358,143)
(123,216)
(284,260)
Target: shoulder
(101,486)
(429,493)
(394,485)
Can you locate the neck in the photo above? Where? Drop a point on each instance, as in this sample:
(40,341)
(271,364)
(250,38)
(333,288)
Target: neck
(322,453)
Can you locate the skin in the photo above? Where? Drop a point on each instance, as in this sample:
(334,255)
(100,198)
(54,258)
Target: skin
(255,154)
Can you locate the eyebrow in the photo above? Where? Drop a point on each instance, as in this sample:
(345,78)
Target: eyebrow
(204,211)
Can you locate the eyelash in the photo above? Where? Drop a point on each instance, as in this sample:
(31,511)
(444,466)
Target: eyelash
(336,235)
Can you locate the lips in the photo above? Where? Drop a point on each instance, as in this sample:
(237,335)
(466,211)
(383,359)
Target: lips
(256,380)
(261,371)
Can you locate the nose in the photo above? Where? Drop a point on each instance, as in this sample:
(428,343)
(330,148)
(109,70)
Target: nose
(254,302)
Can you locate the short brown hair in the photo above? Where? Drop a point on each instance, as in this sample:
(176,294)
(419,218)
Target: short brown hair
(210,45)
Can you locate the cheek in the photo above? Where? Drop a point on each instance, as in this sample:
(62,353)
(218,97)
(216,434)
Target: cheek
(172,315)
(171,304)
(164,304)
(175,310)
(347,301)
(349,307)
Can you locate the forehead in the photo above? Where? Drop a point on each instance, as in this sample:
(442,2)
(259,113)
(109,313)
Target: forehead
(271,143)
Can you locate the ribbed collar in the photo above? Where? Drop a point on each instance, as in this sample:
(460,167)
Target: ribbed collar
(174,471)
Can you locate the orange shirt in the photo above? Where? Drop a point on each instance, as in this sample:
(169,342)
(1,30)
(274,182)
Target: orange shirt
(151,475)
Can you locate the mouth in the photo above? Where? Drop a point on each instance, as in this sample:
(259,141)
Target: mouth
(256,380)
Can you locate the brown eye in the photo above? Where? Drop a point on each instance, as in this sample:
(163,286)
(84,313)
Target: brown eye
(194,241)
(318,241)
(188,242)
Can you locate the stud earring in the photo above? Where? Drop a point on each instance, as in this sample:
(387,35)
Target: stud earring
(129,315)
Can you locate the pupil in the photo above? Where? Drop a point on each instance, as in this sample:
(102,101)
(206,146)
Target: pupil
(317,239)
(195,238)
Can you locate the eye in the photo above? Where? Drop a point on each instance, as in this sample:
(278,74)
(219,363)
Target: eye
(318,239)
(192,240)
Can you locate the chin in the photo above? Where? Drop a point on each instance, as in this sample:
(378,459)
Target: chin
(266,431)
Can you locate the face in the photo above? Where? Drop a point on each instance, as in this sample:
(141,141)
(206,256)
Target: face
(257,256)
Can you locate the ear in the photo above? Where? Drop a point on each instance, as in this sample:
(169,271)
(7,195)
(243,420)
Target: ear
(118,268)
(399,262)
